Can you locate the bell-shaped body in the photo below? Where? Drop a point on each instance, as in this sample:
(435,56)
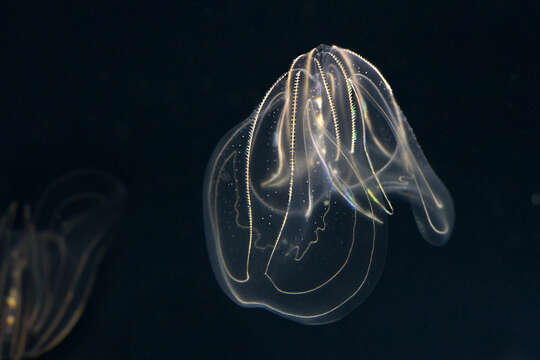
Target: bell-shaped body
(48,267)
(297,196)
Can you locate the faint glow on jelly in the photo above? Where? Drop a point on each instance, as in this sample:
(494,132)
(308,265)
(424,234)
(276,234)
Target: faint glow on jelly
(322,156)
(48,265)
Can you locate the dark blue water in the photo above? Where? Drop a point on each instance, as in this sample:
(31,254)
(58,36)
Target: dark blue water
(146,92)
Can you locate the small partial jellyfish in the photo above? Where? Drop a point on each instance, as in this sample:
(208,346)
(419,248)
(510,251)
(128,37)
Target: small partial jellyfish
(297,197)
(48,264)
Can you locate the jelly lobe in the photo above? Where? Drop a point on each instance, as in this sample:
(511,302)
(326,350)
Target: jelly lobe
(297,196)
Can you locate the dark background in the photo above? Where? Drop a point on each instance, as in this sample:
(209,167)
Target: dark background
(145,92)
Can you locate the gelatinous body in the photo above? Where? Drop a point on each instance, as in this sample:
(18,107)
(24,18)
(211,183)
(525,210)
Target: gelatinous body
(48,266)
(297,196)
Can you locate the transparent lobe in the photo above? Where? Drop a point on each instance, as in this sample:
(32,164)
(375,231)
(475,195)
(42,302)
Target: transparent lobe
(297,196)
(48,266)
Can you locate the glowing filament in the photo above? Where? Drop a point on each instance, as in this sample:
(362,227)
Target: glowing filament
(318,101)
